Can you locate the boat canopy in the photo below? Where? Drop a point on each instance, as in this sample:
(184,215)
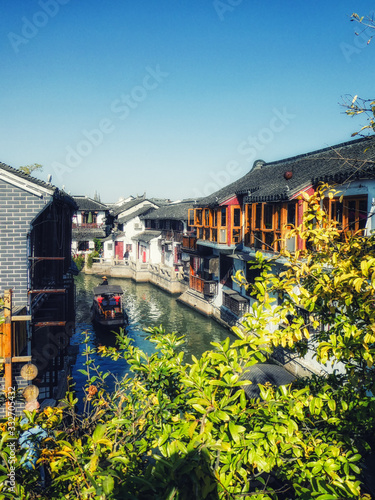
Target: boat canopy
(108,290)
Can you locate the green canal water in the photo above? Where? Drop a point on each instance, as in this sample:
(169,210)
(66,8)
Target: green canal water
(146,306)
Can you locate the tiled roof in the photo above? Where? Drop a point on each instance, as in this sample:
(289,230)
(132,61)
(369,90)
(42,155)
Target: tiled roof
(132,215)
(174,211)
(336,164)
(146,236)
(86,203)
(28,182)
(27,178)
(136,201)
(87,233)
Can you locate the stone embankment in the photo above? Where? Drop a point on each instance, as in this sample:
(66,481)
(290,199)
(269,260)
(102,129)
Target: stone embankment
(163,277)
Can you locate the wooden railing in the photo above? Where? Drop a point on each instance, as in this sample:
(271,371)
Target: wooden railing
(85,225)
(171,235)
(200,285)
(235,302)
(189,242)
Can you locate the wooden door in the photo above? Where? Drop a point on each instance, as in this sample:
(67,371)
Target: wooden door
(119,250)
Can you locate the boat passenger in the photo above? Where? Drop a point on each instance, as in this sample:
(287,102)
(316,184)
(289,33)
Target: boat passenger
(105,280)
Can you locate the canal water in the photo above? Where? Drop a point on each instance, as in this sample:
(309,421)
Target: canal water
(146,306)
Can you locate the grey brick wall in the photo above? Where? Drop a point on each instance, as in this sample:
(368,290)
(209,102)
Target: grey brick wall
(17,209)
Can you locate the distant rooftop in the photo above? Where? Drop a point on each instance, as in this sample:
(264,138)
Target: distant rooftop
(86,203)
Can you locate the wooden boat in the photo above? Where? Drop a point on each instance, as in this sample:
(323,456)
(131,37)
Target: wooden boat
(107,308)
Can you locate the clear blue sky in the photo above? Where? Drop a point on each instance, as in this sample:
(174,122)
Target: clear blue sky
(174,99)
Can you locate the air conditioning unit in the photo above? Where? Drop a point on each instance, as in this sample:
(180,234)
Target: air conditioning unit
(137,225)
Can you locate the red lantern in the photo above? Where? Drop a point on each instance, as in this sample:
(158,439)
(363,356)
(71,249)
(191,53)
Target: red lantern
(288,175)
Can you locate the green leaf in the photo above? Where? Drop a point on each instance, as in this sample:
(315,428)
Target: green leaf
(327,496)
(355,458)
(99,432)
(108,485)
(222,415)
(255,435)
(235,430)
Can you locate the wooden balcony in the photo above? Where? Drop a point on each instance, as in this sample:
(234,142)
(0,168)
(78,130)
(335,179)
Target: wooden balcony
(171,235)
(208,288)
(235,302)
(85,225)
(189,243)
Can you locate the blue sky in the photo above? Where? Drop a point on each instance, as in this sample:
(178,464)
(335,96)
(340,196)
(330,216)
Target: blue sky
(174,99)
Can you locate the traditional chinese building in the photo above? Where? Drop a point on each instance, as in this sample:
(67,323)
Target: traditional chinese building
(35,264)
(256,212)
(90,222)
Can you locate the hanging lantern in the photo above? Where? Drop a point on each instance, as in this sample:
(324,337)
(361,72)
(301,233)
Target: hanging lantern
(288,175)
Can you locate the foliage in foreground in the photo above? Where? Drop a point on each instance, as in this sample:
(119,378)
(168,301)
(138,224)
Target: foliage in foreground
(79,261)
(187,431)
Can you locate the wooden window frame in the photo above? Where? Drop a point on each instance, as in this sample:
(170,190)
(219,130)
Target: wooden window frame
(345,227)
(220,227)
(196,222)
(236,231)
(256,232)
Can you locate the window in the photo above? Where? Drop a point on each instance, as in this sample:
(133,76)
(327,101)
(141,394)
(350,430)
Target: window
(214,219)
(350,213)
(191,217)
(268,216)
(83,246)
(237,217)
(223,220)
(206,217)
(236,226)
(266,224)
(291,220)
(258,215)
(198,216)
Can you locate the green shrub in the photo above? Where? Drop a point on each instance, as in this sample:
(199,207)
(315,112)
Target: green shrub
(79,261)
(90,258)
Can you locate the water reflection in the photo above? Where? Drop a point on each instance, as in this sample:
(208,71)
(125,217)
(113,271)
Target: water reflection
(146,306)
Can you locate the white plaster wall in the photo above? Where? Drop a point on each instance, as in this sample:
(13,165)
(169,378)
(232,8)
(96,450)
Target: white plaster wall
(132,228)
(155,251)
(169,258)
(108,249)
(100,218)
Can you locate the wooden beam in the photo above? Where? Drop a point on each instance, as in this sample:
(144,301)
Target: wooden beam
(7,342)
(18,359)
(50,323)
(21,318)
(46,258)
(49,290)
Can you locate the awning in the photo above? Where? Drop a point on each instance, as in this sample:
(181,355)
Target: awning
(240,256)
(146,236)
(108,289)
